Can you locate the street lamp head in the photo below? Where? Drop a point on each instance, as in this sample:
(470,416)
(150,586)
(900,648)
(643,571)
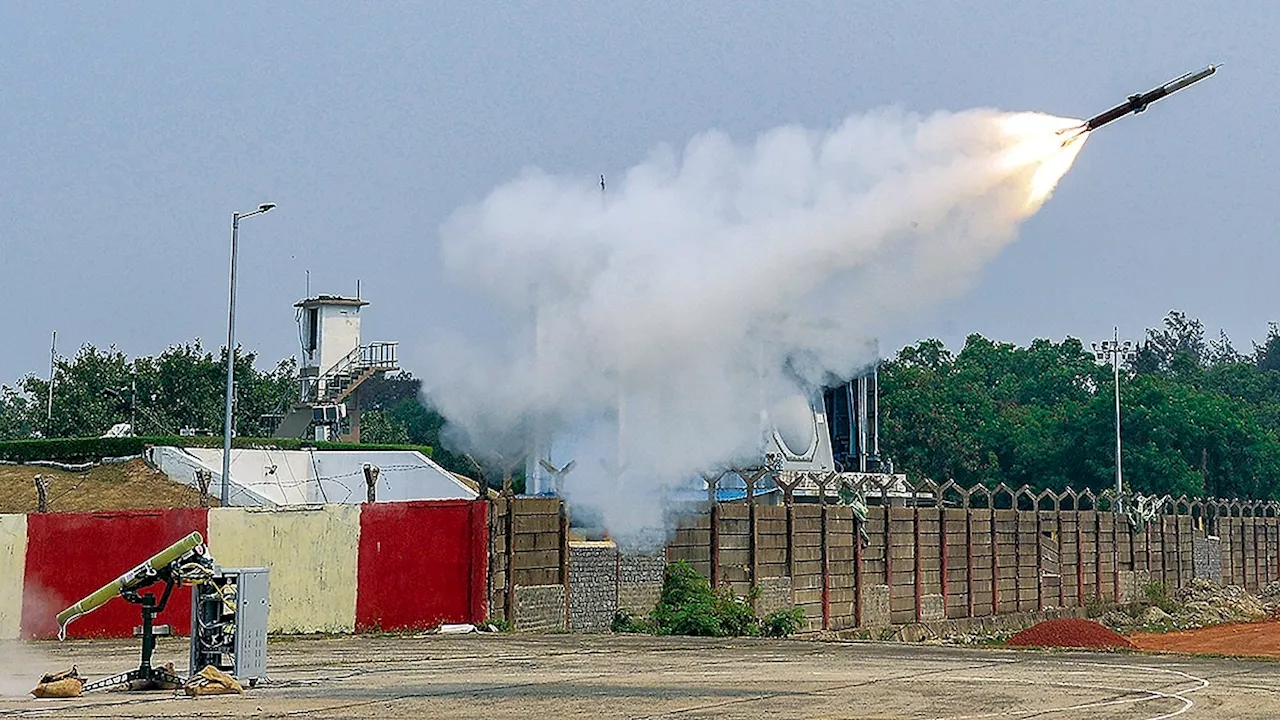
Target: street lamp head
(265,207)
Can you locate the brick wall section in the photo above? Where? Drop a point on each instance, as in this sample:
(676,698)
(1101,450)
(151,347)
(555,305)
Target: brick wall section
(498,561)
(593,586)
(539,608)
(528,546)
(640,582)
(1207,558)
(775,594)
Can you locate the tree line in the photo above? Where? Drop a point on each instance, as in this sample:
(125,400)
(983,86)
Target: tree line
(1199,416)
(184,388)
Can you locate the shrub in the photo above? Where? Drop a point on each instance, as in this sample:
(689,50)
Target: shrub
(689,606)
(71,450)
(497,625)
(625,622)
(1157,594)
(781,623)
(735,615)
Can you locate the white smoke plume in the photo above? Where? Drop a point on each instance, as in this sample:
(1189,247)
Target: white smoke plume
(647,328)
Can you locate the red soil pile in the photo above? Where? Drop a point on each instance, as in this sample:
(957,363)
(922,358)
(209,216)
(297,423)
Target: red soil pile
(1071,633)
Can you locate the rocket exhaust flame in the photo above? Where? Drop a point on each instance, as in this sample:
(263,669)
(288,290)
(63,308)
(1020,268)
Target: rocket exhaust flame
(715,282)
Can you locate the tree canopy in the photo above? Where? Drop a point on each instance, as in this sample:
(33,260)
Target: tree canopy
(1198,417)
(185,387)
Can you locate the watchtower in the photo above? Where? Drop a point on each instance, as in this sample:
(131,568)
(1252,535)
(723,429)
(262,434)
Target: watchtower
(334,365)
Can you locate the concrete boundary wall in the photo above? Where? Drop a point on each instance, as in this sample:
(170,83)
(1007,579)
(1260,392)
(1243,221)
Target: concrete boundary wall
(985,553)
(312,554)
(334,568)
(13,559)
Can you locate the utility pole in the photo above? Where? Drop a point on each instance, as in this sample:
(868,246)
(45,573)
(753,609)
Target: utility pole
(53,355)
(1114,351)
(231,349)
(133,402)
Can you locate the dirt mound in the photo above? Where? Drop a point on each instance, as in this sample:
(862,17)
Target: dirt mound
(1069,633)
(1207,603)
(131,485)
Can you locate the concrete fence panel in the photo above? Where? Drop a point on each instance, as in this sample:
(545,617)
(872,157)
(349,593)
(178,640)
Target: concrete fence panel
(312,552)
(13,561)
(70,555)
(421,564)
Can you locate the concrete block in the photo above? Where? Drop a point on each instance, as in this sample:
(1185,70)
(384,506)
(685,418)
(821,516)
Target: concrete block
(312,552)
(933,607)
(775,594)
(539,608)
(593,586)
(1206,558)
(875,606)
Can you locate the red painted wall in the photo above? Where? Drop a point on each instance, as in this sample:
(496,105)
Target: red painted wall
(69,555)
(421,564)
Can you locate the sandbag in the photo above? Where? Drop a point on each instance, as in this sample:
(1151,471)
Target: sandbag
(212,681)
(67,683)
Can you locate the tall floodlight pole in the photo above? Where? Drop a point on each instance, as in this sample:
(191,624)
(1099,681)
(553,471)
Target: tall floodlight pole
(1114,351)
(53,356)
(231,350)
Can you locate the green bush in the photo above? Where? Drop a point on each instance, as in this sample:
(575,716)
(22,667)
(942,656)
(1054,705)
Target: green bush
(1157,594)
(735,614)
(689,606)
(625,622)
(73,450)
(497,624)
(781,623)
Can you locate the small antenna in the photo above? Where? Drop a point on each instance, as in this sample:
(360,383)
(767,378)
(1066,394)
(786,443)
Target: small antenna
(357,288)
(308,295)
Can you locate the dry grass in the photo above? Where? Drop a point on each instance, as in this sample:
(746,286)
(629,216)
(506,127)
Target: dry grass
(125,486)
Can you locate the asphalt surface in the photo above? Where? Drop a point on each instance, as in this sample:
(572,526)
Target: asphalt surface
(558,676)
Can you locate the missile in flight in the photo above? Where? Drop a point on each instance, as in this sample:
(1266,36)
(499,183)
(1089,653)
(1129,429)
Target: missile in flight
(1139,102)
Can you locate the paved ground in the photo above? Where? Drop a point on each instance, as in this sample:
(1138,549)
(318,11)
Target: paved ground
(556,676)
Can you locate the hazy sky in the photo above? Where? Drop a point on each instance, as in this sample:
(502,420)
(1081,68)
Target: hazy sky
(130,132)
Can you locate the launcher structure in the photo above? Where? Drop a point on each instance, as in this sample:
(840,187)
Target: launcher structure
(229,615)
(186,560)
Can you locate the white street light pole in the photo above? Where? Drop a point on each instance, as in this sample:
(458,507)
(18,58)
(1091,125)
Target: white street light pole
(231,350)
(1114,351)
(53,357)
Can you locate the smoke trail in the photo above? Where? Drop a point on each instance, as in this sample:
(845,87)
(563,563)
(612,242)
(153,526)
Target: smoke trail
(717,282)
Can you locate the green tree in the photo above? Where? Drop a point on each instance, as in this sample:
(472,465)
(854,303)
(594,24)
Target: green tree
(1198,417)
(183,387)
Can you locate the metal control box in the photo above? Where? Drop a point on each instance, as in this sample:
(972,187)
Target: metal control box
(229,624)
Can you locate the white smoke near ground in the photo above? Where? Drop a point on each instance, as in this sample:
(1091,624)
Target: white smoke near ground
(650,329)
(22,665)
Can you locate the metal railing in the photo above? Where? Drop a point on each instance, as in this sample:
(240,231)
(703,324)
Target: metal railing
(379,356)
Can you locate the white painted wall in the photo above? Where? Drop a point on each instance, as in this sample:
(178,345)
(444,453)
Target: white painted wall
(13,564)
(339,334)
(307,477)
